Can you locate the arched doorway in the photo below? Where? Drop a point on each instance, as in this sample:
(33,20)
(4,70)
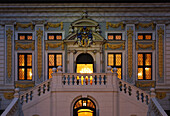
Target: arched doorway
(84,107)
(84,63)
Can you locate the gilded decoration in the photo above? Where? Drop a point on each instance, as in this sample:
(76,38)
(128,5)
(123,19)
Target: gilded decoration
(9,34)
(144,46)
(24,46)
(39,35)
(145,25)
(160,50)
(145,83)
(9,95)
(84,37)
(17,85)
(115,46)
(160,95)
(54,25)
(54,45)
(24,25)
(115,25)
(130,34)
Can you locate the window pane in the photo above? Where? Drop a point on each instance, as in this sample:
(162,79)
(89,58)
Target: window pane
(21,60)
(110,60)
(148,37)
(118,37)
(29,37)
(118,59)
(29,74)
(140,37)
(51,37)
(147,59)
(21,73)
(50,72)
(140,59)
(22,37)
(58,37)
(51,60)
(59,60)
(119,72)
(140,73)
(148,73)
(111,37)
(29,60)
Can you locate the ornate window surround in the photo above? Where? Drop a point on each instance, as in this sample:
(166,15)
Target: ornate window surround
(107,32)
(16,64)
(62,32)
(46,61)
(123,60)
(153,64)
(145,32)
(32,32)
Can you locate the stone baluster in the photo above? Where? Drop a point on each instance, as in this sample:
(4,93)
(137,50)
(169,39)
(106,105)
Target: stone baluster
(98,79)
(66,80)
(71,79)
(102,79)
(84,80)
(152,92)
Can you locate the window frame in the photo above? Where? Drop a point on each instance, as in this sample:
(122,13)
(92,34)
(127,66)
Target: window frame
(144,66)
(145,32)
(115,32)
(25,67)
(54,32)
(24,32)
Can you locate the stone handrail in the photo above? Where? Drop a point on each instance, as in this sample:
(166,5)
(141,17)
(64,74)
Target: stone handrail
(155,108)
(12,108)
(35,92)
(134,92)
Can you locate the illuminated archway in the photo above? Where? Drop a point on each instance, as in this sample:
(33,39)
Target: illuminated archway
(84,107)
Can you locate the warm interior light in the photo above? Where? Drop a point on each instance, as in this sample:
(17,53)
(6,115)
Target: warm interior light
(85,112)
(84,68)
(147,69)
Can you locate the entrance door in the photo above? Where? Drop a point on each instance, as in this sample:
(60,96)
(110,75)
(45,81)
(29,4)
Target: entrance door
(84,107)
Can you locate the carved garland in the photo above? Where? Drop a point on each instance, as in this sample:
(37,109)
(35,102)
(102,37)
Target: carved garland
(115,46)
(160,50)
(114,25)
(145,25)
(24,25)
(54,25)
(145,84)
(130,34)
(24,46)
(51,45)
(39,35)
(9,34)
(24,85)
(9,95)
(145,46)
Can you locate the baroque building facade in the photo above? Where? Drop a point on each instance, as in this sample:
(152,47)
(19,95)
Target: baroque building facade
(85,59)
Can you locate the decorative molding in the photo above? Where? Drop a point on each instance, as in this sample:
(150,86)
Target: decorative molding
(24,25)
(54,45)
(114,25)
(145,83)
(9,95)
(18,85)
(144,46)
(145,25)
(160,51)
(160,95)
(115,46)
(130,34)
(54,25)
(9,34)
(39,44)
(25,46)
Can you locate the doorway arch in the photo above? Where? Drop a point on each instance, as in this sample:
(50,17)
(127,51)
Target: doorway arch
(84,107)
(84,60)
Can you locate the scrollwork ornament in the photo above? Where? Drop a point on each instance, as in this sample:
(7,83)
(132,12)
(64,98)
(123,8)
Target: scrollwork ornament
(39,44)
(9,34)
(114,25)
(115,46)
(145,46)
(145,84)
(130,34)
(54,45)
(24,85)
(24,25)
(24,46)
(160,50)
(9,95)
(54,25)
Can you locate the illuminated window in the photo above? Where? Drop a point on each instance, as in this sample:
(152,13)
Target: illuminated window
(144,66)
(145,36)
(25,66)
(54,36)
(54,60)
(115,60)
(114,36)
(24,36)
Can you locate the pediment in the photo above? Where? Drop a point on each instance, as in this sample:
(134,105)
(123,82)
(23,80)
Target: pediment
(85,22)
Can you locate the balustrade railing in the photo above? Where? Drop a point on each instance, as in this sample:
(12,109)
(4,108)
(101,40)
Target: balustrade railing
(134,92)
(36,91)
